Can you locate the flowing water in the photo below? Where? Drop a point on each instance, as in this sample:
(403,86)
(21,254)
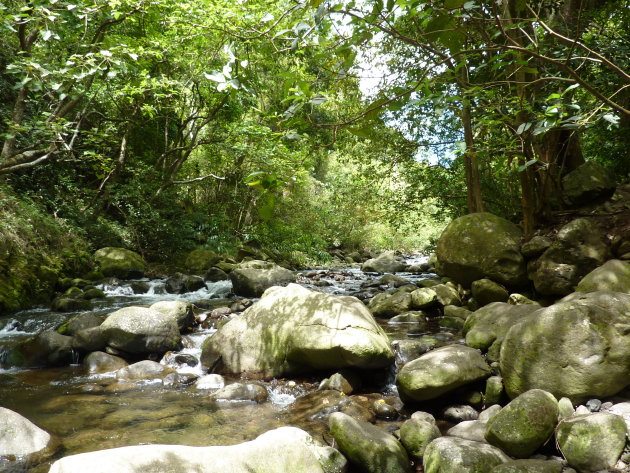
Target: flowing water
(92,412)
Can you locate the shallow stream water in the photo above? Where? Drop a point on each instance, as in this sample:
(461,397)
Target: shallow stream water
(93,412)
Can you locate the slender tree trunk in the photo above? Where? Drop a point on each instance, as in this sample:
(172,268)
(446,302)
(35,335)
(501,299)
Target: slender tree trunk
(471,165)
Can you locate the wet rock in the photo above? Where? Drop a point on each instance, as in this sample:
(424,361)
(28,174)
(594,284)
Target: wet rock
(454,323)
(344,383)
(588,183)
(455,311)
(99,362)
(120,263)
(386,262)
(145,369)
(320,405)
(241,392)
(383,410)
(486,291)
(179,379)
(80,322)
(613,275)
(180,311)
(252,278)
(47,348)
(440,371)
(367,446)
(140,287)
(415,317)
(389,305)
(215,275)
(525,424)
(141,330)
(69,304)
(416,434)
(293,329)
(93,293)
(460,413)
(456,455)
(22,441)
(210,381)
(89,340)
(407,350)
(183,283)
(277,451)
(529,466)
(535,247)
(592,442)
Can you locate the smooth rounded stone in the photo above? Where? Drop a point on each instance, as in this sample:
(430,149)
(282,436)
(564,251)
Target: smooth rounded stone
(423,416)
(99,362)
(414,317)
(578,348)
(469,430)
(179,379)
(592,442)
(454,323)
(388,305)
(20,438)
(320,405)
(587,183)
(74,292)
(252,278)
(140,287)
(525,424)
(80,322)
(490,249)
(187,359)
(435,296)
(47,348)
(383,410)
(367,446)
(407,350)
(210,381)
(276,451)
(529,466)
(440,371)
(69,304)
(199,261)
(216,275)
(241,392)
(93,293)
(580,247)
(141,330)
(486,291)
(89,340)
(416,434)
(181,312)
(457,455)
(386,262)
(455,311)
(344,383)
(120,263)
(621,409)
(145,369)
(392,280)
(581,411)
(494,390)
(294,329)
(613,275)
(520,299)
(460,413)
(489,412)
(535,247)
(423,298)
(427,282)
(593,405)
(565,408)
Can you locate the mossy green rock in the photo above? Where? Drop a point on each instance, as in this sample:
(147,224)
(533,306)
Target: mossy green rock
(592,442)
(120,263)
(457,455)
(80,322)
(93,293)
(70,304)
(613,275)
(481,245)
(440,371)
(529,466)
(47,348)
(578,348)
(587,183)
(386,262)
(252,278)
(416,434)
(486,291)
(293,329)
(368,447)
(525,424)
(199,261)
(389,305)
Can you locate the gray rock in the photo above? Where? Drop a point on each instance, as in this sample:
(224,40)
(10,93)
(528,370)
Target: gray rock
(80,322)
(456,455)
(414,317)
(180,311)
(89,340)
(486,291)
(565,408)
(455,311)
(386,262)
(241,392)
(460,413)
(252,278)
(345,384)
(529,466)
(20,438)
(69,304)
(613,275)
(215,275)
(416,434)
(587,183)
(469,430)
(489,413)
(99,362)
(494,390)
(210,381)
(120,263)
(389,305)
(423,416)
(535,247)
(47,348)
(407,350)
(145,369)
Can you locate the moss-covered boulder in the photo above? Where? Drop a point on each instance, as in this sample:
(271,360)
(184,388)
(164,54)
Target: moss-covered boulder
(592,442)
(293,329)
(481,245)
(386,262)
(525,424)
(440,371)
(486,291)
(529,466)
(368,447)
(199,261)
(120,263)
(587,183)
(70,304)
(389,305)
(457,455)
(141,331)
(80,322)
(416,434)
(47,348)
(578,348)
(613,275)
(181,312)
(252,278)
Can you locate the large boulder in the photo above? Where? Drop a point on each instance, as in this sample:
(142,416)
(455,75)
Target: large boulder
(252,278)
(389,305)
(293,329)
(199,261)
(457,455)
(481,245)
(614,275)
(277,451)
(580,247)
(120,263)
(587,183)
(140,330)
(48,348)
(23,440)
(386,262)
(486,291)
(440,371)
(368,447)
(578,348)
(181,312)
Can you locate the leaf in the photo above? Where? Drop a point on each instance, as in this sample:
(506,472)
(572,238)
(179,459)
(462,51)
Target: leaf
(570,88)
(315,3)
(106,53)
(523,127)
(529,163)
(268,17)
(46,34)
(610,118)
(215,76)
(318,100)
(244,63)
(360,132)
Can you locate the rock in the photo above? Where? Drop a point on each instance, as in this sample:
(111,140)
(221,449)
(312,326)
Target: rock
(392,280)
(423,298)
(578,348)
(120,263)
(48,348)
(435,296)
(440,371)
(215,275)
(416,434)
(592,442)
(525,424)
(20,438)
(454,323)
(382,410)
(99,362)
(210,381)
(414,317)
(140,330)
(470,430)
(565,408)
(199,261)
(494,390)
(183,283)
(241,392)
(423,416)
(593,405)
(252,278)
(614,275)
(293,329)
(69,304)
(489,413)
(74,292)
(407,350)
(389,305)
(579,248)
(456,455)
(481,245)
(145,369)
(93,293)
(89,340)
(588,183)
(535,247)
(455,311)
(529,466)
(460,413)
(140,287)
(320,405)
(341,383)
(180,311)
(80,322)
(368,447)
(277,451)
(486,291)
(386,262)
(520,299)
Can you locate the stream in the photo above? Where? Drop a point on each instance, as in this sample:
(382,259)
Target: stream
(94,412)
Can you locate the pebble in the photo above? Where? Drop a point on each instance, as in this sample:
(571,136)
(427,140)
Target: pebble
(593,405)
